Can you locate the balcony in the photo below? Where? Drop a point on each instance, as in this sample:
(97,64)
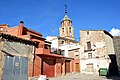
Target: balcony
(42,51)
(46,53)
(89,50)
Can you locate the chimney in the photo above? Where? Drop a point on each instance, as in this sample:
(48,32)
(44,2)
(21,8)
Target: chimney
(20,29)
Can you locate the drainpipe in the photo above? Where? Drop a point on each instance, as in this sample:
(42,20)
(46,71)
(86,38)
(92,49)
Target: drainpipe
(33,60)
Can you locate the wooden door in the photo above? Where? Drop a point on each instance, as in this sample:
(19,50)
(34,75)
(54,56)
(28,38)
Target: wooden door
(48,67)
(67,66)
(77,67)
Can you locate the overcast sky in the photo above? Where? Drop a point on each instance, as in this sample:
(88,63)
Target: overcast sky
(45,15)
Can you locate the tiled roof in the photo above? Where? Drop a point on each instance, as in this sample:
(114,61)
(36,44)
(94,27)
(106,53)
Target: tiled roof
(16,39)
(66,18)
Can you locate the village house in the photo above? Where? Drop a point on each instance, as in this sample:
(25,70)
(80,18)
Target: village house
(15,55)
(44,62)
(96,51)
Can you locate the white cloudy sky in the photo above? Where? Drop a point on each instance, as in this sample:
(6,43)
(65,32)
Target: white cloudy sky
(115,32)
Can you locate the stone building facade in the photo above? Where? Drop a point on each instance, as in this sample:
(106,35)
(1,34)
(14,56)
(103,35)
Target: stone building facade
(96,46)
(116,41)
(15,55)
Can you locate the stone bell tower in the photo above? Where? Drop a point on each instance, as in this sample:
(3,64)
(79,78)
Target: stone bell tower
(66,30)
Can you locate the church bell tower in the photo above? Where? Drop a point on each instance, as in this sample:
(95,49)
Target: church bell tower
(66,30)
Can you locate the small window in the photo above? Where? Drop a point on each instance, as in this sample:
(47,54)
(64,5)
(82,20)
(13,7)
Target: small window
(62,42)
(37,44)
(62,29)
(88,45)
(89,66)
(70,30)
(87,32)
(76,53)
(89,55)
(63,52)
(46,46)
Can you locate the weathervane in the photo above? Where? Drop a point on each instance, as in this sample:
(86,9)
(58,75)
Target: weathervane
(65,9)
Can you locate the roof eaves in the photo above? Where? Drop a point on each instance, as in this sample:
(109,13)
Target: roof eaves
(16,39)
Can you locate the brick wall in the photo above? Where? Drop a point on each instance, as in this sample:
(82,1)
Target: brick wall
(49,67)
(13,31)
(37,66)
(58,68)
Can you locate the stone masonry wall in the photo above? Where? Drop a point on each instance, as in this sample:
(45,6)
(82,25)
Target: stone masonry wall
(97,55)
(1,60)
(116,41)
(14,49)
(18,49)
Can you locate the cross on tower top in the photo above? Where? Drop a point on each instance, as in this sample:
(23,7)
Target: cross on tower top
(65,9)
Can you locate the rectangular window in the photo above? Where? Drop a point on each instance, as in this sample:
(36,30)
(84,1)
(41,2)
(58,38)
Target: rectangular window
(70,30)
(62,42)
(89,55)
(46,46)
(62,29)
(87,32)
(37,44)
(90,66)
(89,45)
(63,52)
(76,53)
